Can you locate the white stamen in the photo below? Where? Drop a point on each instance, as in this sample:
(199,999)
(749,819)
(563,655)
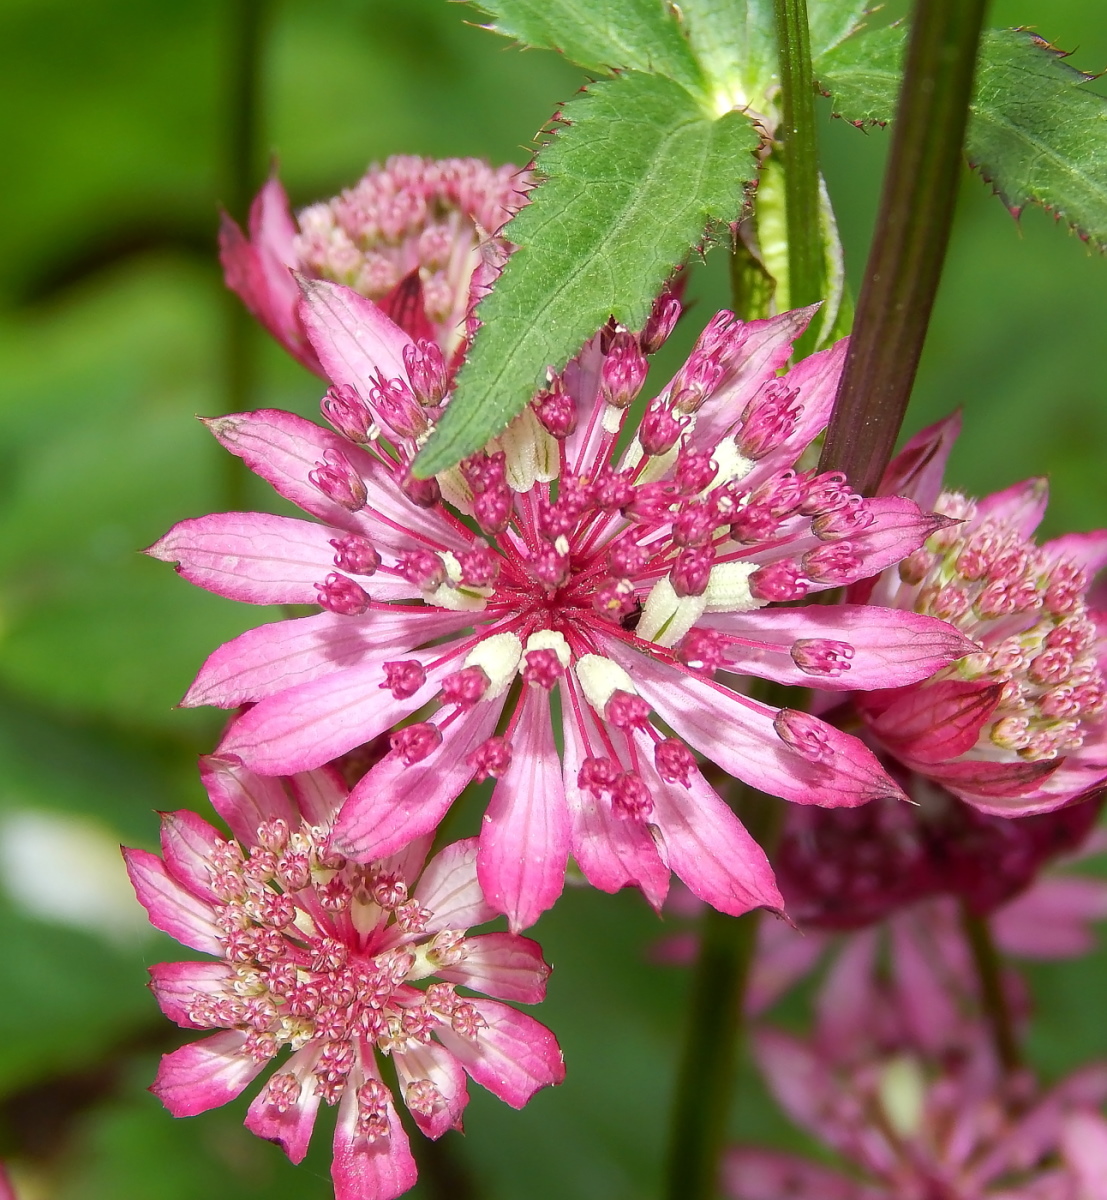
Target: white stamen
(613,418)
(498,657)
(550,639)
(600,679)
(902,1092)
(728,588)
(530,451)
(667,617)
(454,597)
(732,463)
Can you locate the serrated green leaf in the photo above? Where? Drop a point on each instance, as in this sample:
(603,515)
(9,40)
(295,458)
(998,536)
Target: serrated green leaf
(1037,133)
(735,40)
(601,35)
(862,75)
(632,181)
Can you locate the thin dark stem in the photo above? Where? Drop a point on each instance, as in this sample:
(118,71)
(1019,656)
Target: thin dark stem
(242,171)
(800,158)
(989,974)
(909,247)
(712,1038)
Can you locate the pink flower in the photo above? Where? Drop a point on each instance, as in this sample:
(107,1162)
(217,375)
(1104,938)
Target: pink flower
(900,1079)
(1019,726)
(409,235)
(599,601)
(910,1128)
(326,957)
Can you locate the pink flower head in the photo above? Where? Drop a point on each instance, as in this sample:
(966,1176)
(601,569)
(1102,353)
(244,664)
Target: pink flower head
(900,1079)
(409,235)
(338,962)
(1019,726)
(613,587)
(913,1128)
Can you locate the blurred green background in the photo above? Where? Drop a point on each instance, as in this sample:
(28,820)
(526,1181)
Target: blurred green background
(113,329)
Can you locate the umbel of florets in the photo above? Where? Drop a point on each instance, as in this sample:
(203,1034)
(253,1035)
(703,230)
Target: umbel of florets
(554,576)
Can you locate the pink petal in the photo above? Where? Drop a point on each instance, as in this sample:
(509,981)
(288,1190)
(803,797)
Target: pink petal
(448,888)
(767,348)
(283,448)
(259,269)
(319,794)
(917,471)
(395,803)
(784,957)
(177,984)
(705,844)
(816,379)
(187,842)
(502,965)
(1022,505)
(284,654)
(172,908)
(524,839)
(254,557)
(244,799)
(750,1174)
(1004,789)
(891,647)
(1084,1145)
(612,853)
(1053,919)
(355,341)
(582,382)
(291,1130)
(925,953)
(315,722)
(204,1075)
(1087,550)
(513,1057)
(438,1066)
(739,735)
(936,724)
(363,1170)
(802,1083)
(847,1001)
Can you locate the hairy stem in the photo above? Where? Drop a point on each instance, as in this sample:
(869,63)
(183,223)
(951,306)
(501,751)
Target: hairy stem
(242,169)
(705,1075)
(989,975)
(800,158)
(909,246)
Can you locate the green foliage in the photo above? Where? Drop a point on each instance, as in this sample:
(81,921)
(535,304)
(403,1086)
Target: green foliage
(601,35)
(1037,132)
(631,181)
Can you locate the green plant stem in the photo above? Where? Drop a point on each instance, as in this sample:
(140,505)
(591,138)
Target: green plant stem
(705,1076)
(800,158)
(989,975)
(909,246)
(242,171)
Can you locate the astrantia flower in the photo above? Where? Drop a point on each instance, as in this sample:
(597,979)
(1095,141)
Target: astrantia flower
(606,600)
(901,1080)
(410,235)
(339,963)
(1019,726)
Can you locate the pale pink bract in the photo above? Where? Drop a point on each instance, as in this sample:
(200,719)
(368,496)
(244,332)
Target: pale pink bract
(326,957)
(416,235)
(616,584)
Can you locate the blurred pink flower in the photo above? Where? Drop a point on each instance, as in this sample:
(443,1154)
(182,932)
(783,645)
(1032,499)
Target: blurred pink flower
(899,1077)
(409,235)
(1019,726)
(326,957)
(621,594)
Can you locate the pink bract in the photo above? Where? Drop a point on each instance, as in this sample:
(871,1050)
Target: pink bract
(416,235)
(338,962)
(1019,726)
(605,591)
